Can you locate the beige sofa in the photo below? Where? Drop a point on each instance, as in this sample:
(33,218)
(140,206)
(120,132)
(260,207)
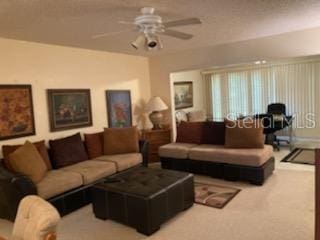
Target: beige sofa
(209,156)
(61,180)
(66,187)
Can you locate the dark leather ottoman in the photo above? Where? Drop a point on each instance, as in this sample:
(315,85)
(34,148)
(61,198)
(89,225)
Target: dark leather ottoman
(143,198)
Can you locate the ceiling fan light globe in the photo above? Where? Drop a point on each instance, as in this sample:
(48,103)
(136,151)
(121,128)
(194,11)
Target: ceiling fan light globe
(152,44)
(151,41)
(140,41)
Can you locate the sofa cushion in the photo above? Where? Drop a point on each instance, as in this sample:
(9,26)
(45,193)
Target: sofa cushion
(254,157)
(244,134)
(28,161)
(214,133)
(67,151)
(121,140)
(40,145)
(56,182)
(91,170)
(94,144)
(176,150)
(190,132)
(122,161)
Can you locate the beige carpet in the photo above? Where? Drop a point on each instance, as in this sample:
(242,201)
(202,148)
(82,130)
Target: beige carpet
(282,209)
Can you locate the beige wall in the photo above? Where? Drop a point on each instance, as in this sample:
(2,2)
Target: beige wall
(47,66)
(294,44)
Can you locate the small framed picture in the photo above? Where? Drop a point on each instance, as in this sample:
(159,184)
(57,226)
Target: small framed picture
(119,108)
(183,95)
(69,108)
(16,111)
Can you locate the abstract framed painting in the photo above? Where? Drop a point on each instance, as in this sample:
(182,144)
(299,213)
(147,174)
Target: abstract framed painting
(183,95)
(119,108)
(69,108)
(16,111)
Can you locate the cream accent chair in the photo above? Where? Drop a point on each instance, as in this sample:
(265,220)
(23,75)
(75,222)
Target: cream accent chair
(36,220)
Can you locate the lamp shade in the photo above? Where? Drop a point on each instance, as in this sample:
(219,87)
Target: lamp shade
(156,104)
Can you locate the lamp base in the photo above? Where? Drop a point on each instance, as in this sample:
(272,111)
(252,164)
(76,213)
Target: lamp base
(156,119)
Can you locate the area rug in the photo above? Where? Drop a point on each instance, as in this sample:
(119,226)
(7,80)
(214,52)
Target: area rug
(212,195)
(301,156)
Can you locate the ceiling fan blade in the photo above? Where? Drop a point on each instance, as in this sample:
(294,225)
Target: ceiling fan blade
(177,34)
(109,34)
(182,22)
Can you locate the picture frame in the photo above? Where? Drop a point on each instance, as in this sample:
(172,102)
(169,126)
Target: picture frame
(16,111)
(119,108)
(183,95)
(69,109)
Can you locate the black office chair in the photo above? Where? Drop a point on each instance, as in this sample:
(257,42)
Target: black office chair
(277,109)
(275,120)
(279,121)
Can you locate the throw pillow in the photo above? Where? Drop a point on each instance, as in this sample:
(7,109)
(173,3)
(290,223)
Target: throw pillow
(244,134)
(41,147)
(94,144)
(214,133)
(121,140)
(190,132)
(28,161)
(67,151)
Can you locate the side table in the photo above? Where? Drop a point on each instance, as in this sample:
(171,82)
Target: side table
(156,138)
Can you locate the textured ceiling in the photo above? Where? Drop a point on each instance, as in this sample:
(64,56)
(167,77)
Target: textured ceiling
(74,22)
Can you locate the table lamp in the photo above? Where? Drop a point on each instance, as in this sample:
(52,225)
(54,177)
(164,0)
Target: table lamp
(155,106)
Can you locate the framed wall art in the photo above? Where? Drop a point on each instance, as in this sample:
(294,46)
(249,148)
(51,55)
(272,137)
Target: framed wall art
(69,108)
(183,95)
(119,108)
(16,111)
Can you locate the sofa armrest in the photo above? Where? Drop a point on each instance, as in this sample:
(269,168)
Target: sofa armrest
(13,187)
(22,182)
(144,150)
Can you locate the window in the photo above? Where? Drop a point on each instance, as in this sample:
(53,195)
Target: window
(249,91)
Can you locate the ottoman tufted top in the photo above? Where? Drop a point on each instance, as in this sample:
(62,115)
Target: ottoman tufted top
(143,182)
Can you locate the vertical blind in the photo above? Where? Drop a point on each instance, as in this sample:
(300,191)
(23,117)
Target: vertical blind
(248,91)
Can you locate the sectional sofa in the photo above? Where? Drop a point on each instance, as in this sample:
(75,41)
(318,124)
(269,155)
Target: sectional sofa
(74,167)
(200,148)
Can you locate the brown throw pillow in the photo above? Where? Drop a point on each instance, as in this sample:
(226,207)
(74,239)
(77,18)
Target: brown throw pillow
(94,144)
(244,134)
(214,133)
(41,147)
(190,132)
(121,140)
(28,161)
(67,151)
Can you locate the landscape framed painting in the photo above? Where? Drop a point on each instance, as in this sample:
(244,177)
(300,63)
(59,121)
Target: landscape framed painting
(69,108)
(119,108)
(16,111)
(183,95)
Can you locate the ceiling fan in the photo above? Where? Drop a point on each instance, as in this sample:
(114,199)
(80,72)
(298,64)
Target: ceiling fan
(150,26)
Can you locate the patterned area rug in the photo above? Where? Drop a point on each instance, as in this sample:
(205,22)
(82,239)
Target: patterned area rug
(300,155)
(216,196)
